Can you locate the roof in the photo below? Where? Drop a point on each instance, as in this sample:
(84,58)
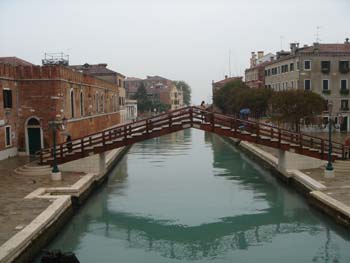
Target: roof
(327,48)
(132,79)
(15,61)
(226,80)
(95,69)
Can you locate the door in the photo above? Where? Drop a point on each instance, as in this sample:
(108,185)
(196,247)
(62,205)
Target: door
(34,140)
(344,124)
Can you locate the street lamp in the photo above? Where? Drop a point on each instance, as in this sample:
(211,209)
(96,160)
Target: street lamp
(56,125)
(329,171)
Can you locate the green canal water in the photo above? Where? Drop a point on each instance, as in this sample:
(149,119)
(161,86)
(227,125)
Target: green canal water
(192,197)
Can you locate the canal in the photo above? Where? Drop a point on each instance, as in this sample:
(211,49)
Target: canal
(192,197)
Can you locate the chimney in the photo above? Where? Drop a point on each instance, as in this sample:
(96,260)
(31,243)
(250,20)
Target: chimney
(347,41)
(253,60)
(102,65)
(293,48)
(225,76)
(260,54)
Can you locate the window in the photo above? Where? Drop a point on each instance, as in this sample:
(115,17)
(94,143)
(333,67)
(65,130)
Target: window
(8,141)
(81,104)
(325,84)
(97,102)
(307,84)
(284,68)
(7,96)
(343,84)
(298,65)
(291,67)
(72,103)
(325,67)
(307,64)
(344,105)
(102,103)
(344,67)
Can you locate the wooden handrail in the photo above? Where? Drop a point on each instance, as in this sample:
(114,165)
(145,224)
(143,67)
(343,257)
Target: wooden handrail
(193,115)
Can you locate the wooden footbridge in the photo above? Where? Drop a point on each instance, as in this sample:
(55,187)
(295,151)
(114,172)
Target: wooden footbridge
(193,117)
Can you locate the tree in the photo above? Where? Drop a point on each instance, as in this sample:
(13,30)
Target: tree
(143,103)
(186,89)
(292,106)
(235,96)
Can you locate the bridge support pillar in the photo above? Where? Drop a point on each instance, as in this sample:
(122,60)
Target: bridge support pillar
(102,163)
(291,161)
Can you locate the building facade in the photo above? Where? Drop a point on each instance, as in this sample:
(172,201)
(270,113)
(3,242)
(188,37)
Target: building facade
(320,68)
(159,90)
(255,74)
(33,97)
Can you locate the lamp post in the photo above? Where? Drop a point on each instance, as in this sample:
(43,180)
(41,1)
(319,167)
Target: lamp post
(329,171)
(55,125)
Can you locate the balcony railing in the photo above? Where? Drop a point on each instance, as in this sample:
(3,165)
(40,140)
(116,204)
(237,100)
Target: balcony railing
(326,91)
(344,91)
(345,108)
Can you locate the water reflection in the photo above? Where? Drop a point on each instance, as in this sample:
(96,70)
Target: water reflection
(152,210)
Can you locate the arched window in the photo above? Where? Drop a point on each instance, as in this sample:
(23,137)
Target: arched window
(102,103)
(72,103)
(97,103)
(81,103)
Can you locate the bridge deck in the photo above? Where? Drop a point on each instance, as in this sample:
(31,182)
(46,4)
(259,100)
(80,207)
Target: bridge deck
(194,117)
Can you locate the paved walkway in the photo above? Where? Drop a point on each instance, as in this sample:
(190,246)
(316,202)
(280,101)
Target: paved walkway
(337,187)
(16,212)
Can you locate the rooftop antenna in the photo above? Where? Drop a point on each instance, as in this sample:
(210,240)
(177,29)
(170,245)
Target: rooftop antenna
(318,34)
(229,63)
(281,41)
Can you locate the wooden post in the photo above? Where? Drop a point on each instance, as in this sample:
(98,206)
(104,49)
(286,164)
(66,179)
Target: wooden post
(170,120)
(322,148)
(191,116)
(257,132)
(61,151)
(212,121)
(279,137)
(103,139)
(41,156)
(82,147)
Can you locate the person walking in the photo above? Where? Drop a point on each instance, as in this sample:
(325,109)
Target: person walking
(69,143)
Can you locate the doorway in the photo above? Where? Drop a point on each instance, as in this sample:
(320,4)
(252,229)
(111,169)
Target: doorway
(344,124)
(34,136)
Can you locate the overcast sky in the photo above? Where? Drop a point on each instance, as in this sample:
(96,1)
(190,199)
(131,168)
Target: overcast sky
(179,39)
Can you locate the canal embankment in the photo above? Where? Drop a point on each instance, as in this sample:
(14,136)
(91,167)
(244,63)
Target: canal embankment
(329,195)
(36,208)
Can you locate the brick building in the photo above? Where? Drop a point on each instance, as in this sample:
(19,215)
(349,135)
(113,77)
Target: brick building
(101,71)
(159,90)
(33,96)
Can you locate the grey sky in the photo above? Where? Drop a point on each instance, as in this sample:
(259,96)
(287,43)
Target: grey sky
(181,40)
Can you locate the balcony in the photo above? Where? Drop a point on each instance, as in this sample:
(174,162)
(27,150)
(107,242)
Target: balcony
(344,108)
(325,70)
(344,91)
(326,91)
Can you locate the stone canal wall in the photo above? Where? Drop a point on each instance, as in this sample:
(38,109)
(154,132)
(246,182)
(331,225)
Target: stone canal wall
(28,242)
(315,191)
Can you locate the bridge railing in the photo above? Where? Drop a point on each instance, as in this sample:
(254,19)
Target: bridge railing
(192,116)
(271,132)
(120,132)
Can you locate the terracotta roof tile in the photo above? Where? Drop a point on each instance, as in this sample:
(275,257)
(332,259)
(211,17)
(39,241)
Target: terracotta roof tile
(15,61)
